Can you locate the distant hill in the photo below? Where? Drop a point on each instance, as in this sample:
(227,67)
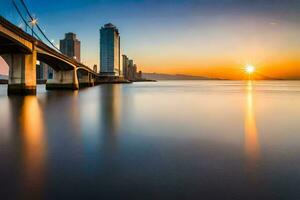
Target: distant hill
(157,76)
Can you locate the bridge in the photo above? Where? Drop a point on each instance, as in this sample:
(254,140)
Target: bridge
(21,51)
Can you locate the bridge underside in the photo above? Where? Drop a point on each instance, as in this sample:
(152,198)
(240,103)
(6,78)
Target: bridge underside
(53,62)
(85,78)
(63,80)
(9,46)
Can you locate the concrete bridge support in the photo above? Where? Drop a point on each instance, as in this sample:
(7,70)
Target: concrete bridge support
(22,73)
(86,80)
(63,80)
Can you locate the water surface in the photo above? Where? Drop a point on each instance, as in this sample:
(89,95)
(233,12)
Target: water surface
(164,140)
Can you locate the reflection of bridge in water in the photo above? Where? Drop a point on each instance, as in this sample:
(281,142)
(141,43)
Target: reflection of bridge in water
(21,52)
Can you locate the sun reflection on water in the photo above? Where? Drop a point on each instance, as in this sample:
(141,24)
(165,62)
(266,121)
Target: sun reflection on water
(252,147)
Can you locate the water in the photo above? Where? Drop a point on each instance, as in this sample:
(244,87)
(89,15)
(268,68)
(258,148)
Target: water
(164,140)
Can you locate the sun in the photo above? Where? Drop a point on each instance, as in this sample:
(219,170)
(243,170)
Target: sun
(250,69)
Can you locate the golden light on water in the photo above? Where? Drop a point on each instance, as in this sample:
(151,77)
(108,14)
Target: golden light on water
(252,146)
(34,145)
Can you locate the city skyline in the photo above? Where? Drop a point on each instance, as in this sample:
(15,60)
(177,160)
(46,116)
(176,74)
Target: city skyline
(207,38)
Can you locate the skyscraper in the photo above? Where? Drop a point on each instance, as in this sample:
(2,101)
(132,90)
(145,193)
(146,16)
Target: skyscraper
(134,71)
(70,46)
(110,50)
(130,75)
(125,66)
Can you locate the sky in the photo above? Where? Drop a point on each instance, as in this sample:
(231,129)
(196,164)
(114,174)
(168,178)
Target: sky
(214,38)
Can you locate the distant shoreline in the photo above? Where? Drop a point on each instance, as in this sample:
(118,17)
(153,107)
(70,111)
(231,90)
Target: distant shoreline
(5,82)
(158,77)
(161,77)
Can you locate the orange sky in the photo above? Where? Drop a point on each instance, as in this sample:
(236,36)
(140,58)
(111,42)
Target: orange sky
(284,70)
(221,47)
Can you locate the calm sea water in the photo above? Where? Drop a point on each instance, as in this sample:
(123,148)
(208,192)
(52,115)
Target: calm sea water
(164,140)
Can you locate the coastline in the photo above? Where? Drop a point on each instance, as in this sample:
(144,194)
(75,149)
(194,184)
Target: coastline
(99,82)
(145,80)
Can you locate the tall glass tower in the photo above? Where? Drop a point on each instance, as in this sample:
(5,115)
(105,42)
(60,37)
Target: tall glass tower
(109,50)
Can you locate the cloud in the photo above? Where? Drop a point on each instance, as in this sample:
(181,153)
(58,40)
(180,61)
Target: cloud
(273,23)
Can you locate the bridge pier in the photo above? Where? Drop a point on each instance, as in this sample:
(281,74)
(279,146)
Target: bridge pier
(22,73)
(63,80)
(85,80)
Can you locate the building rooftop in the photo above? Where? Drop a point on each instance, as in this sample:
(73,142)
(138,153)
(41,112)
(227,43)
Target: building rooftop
(109,25)
(70,35)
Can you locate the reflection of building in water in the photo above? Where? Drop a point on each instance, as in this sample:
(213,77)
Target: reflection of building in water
(111,110)
(251,135)
(34,150)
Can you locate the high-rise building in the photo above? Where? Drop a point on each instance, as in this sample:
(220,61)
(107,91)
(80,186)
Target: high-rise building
(130,75)
(130,69)
(131,63)
(134,73)
(125,66)
(110,50)
(70,46)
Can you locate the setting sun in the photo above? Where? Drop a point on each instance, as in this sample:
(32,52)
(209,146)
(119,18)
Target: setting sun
(250,69)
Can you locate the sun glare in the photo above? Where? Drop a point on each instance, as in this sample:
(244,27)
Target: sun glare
(250,69)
